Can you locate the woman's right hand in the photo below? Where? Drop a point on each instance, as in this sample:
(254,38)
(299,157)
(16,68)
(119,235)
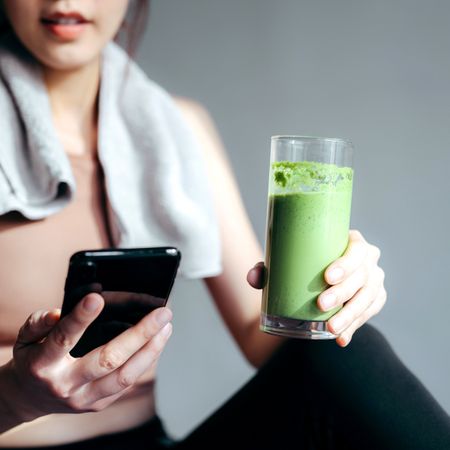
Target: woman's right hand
(47,379)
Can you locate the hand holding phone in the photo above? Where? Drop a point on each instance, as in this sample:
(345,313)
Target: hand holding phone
(122,323)
(132,282)
(47,380)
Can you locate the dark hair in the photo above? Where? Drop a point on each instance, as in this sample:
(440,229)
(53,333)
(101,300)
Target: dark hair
(130,32)
(133,27)
(3,22)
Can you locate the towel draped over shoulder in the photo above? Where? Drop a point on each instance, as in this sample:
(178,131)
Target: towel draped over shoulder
(155,178)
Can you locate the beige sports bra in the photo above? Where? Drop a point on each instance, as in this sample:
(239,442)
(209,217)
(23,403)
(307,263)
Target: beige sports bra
(34,255)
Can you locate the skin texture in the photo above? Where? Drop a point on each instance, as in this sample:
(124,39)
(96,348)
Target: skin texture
(56,53)
(41,377)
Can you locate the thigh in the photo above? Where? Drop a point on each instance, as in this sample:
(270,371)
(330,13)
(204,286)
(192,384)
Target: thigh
(282,407)
(316,395)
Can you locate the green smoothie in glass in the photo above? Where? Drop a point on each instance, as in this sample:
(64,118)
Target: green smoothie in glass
(307,229)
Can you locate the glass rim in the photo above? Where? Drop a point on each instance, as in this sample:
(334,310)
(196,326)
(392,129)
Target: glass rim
(298,137)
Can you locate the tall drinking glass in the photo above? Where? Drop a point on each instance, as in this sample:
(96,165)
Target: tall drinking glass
(310,192)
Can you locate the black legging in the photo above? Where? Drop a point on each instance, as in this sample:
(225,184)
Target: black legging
(313,396)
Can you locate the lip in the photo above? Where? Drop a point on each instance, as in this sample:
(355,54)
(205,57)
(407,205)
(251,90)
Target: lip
(67,26)
(58,17)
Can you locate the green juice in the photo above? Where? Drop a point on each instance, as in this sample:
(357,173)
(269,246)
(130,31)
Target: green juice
(307,229)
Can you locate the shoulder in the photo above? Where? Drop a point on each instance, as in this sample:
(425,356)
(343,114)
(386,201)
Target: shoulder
(202,126)
(194,112)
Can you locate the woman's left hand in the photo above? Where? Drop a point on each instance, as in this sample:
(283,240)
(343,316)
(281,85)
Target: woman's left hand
(356,283)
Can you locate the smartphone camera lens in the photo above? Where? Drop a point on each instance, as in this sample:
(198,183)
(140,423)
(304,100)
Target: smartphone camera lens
(87,272)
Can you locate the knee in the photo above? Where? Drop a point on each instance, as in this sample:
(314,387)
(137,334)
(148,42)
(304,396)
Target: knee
(368,335)
(366,340)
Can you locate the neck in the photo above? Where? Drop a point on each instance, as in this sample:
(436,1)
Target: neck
(73,94)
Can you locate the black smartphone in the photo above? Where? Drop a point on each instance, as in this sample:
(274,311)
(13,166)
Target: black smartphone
(133,282)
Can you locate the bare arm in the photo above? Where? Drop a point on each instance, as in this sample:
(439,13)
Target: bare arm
(356,281)
(9,418)
(238,303)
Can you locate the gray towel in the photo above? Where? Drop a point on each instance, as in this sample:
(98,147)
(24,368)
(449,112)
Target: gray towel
(156,181)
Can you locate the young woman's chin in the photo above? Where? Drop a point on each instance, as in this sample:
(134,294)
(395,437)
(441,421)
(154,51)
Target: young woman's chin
(66,57)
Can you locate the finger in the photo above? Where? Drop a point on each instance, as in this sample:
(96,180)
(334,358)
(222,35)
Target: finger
(107,401)
(353,309)
(70,328)
(358,304)
(350,261)
(344,291)
(127,375)
(37,327)
(346,336)
(255,276)
(109,357)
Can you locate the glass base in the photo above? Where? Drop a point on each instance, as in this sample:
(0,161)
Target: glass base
(296,328)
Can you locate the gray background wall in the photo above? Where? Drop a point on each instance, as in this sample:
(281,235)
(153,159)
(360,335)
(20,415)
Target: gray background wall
(377,72)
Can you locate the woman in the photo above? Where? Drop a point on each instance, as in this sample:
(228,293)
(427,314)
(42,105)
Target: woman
(64,83)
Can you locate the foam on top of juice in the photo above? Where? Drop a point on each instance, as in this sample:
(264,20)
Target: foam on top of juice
(309,176)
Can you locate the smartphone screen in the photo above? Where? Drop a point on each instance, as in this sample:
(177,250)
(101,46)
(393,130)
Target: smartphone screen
(133,282)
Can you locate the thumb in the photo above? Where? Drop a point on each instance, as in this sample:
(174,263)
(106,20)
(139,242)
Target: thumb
(256,275)
(37,327)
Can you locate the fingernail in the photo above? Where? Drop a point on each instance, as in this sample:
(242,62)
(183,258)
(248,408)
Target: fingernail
(91,303)
(328,301)
(337,324)
(336,274)
(167,329)
(50,318)
(163,316)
